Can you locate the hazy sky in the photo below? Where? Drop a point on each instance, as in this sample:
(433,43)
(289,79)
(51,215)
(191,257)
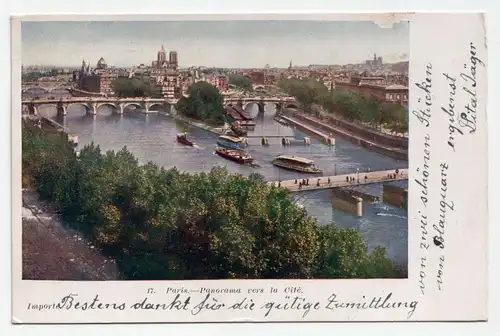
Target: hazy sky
(213,43)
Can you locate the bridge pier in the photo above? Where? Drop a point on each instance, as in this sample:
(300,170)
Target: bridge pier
(62,109)
(279,108)
(262,106)
(33,109)
(346,201)
(121,108)
(395,195)
(171,109)
(92,109)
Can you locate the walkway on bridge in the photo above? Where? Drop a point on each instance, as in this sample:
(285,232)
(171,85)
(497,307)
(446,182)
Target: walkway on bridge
(337,181)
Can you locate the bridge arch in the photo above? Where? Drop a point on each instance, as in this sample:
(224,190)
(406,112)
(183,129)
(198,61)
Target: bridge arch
(114,107)
(37,89)
(291,105)
(156,104)
(138,105)
(85,105)
(51,106)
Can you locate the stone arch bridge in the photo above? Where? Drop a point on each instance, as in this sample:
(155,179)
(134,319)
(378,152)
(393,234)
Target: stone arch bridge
(280,103)
(92,105)
(45,87)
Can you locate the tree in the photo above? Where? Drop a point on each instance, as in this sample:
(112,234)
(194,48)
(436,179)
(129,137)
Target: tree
(131,88)
(241,81)
(204,102)
(347,104)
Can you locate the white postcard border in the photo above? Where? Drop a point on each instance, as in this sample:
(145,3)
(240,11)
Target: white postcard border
(467,227)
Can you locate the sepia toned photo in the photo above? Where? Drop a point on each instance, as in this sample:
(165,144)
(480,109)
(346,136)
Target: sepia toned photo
(214,150)
(249,168)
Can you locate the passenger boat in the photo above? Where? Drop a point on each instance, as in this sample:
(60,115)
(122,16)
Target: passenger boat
(182,138)
(234,155)
(231,142)
(296,163)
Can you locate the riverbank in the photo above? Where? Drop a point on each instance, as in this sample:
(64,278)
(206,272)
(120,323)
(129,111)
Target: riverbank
(379,143)
(53,252)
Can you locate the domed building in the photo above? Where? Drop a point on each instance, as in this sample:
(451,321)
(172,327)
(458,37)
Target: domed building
(95,82)
(101,64)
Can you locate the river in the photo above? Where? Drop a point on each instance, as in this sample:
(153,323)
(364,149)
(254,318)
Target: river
(151,137)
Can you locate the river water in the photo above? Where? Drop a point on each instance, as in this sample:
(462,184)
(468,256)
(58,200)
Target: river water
(151,137)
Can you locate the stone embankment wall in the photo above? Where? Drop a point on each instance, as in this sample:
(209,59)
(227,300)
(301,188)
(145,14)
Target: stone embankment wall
(396,196)
(389,145)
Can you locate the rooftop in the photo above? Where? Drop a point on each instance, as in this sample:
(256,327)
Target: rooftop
(295,158)
(396,87)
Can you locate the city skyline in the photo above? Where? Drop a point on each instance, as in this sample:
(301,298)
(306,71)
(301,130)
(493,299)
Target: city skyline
(230,44)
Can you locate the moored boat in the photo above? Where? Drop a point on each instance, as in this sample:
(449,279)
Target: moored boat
(182,138)
(247,123)
(236,128)
(296,163)
(234,155)
(281,121)
(231,142)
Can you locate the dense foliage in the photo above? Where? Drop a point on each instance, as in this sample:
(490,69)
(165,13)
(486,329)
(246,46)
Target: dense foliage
(347,104)
(165,224)
(34,76)
(204,102)
(131,88)
(241,81)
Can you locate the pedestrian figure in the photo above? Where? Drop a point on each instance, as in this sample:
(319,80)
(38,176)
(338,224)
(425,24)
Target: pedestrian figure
(279,183)
(329,181)
(366,178)
(347,178)
(317,183)
(295,181)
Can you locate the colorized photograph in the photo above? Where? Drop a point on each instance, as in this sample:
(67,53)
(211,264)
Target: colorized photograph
(193,150)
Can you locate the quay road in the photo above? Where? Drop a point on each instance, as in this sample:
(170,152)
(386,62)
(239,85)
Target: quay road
(337,181)
(302,120)
(323,136)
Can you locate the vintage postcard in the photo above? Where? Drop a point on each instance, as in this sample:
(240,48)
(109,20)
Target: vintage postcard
(242,168)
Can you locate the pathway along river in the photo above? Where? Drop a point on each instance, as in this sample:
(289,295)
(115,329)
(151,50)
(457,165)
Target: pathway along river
(151,137)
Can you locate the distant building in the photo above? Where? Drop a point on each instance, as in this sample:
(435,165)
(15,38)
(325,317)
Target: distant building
(375,88)
(98,80)
(375,63)
(220,82)
(172,60)
(257,77)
